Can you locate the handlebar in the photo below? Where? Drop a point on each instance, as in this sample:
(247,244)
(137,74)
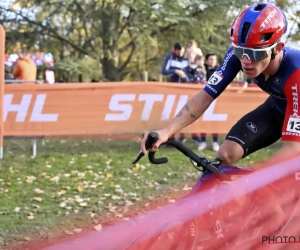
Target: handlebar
(201,161)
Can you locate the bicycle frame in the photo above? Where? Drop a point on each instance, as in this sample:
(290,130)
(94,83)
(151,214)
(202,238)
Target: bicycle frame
(207,179)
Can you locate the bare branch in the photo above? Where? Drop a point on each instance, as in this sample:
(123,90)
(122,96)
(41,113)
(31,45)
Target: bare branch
(133,47)
(53,33)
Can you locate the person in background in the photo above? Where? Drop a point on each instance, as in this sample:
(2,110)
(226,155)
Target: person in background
(210,64)
(210,67)
(25,69)
(175,66)
(49,74)
(192,51)
(190,54)
(197,70)
(197,75)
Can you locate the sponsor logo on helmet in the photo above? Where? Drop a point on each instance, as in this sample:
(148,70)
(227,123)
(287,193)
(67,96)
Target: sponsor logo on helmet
(268,18)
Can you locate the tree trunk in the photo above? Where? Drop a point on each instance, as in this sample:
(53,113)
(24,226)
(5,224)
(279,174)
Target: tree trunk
(110,28)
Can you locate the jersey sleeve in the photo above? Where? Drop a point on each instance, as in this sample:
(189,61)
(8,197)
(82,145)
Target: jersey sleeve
(223,75)
(291,125)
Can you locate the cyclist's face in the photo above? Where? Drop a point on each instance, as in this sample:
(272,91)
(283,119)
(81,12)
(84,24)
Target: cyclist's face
(253,69)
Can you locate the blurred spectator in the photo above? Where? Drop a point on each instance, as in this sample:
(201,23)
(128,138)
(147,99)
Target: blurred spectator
(197,70)
(191,51)
(210,66)
(175,66)
(49,74)
(8,72)
(196,73)
(249,82)
(25,69)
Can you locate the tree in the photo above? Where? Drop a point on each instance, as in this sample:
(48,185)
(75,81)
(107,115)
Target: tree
(121,36)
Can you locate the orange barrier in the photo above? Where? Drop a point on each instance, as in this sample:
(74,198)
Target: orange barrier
(2,58)
(116,108)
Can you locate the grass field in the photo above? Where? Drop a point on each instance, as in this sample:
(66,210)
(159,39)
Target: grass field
(76,182)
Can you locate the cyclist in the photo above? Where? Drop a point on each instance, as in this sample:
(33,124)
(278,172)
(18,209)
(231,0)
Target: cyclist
(258,50)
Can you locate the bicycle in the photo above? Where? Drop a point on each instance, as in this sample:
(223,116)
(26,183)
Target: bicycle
(219,230)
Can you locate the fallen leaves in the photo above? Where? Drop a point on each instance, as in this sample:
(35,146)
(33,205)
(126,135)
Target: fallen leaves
(115,197)
(62,204)
(35,206)
(98,227)
(30,216)
(77,230)
(30,179)
(80,187)
(39,199)
(17,209)
(186,188)
(109,176)
(61,192)
(38,191)
(83,204)
(55,179)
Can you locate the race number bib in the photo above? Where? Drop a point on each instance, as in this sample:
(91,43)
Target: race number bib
(215,79)
(293,125)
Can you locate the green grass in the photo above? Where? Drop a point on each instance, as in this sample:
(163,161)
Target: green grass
(72,182)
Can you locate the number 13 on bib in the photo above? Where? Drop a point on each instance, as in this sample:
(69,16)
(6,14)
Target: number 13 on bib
(293,124)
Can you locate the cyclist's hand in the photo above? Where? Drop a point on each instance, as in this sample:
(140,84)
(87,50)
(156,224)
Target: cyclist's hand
(163,136)
(180,73)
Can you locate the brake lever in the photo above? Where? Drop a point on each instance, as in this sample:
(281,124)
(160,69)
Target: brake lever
(151,139)
(138,157)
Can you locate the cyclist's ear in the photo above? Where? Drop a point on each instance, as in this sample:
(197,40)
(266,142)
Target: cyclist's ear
(278,48)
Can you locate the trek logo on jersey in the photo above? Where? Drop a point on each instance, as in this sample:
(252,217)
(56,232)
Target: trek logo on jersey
(215,79)
(268,18)
(295,100)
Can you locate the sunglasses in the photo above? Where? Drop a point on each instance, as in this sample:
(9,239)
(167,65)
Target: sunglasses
(254,55)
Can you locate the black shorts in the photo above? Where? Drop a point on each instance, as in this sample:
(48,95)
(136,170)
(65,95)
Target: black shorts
(258,129)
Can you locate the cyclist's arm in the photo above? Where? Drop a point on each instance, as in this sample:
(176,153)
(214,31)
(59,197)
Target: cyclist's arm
(291,126)
(17,70)
(216,84)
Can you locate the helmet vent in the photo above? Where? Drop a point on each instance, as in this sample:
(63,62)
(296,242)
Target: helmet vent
(246,27)
(260,6)
(266,37)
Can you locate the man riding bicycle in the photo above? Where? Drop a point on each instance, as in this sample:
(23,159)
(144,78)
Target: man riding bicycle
(258,51)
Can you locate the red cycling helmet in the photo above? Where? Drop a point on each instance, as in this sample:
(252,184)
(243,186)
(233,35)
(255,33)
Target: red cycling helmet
(261,24)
